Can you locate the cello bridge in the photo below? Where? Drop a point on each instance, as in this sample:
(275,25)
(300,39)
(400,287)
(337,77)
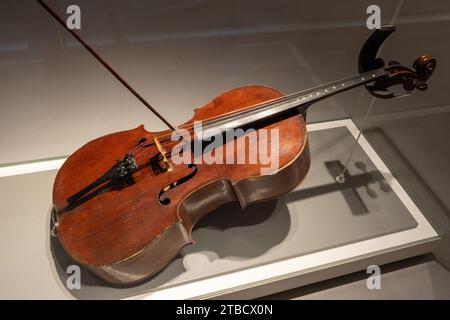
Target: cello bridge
(159,163)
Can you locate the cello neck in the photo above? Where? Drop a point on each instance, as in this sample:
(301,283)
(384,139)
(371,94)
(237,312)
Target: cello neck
(296,103)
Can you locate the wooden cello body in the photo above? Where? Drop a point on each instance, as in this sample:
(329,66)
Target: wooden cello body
(125,234)
(124,210)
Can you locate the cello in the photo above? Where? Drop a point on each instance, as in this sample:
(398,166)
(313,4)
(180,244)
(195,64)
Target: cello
(124,208)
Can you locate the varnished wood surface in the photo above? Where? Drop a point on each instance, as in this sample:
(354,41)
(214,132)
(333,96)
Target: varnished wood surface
(117,225)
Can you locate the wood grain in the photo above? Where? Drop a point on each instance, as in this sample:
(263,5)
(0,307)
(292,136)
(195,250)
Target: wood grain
(117,225)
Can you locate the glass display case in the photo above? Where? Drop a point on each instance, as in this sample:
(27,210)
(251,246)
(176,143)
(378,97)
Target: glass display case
(179,55)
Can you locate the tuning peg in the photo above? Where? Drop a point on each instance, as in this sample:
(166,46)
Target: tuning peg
(424,66)
(393,63)
(409,84)
(422,86)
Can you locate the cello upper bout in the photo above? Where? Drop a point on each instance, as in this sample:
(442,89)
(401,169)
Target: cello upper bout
(127,235)
(244,183)
(234,100)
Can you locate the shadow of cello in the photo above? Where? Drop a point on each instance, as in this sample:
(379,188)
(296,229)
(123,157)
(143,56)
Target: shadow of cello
(232,233)
(349,188)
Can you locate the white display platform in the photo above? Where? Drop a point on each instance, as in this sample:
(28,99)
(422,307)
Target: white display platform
(301,239)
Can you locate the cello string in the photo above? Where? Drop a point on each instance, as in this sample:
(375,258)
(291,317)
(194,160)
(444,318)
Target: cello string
(163,138)
(285,98)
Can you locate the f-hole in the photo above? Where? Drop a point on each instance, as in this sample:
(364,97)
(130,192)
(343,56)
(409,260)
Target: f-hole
(166,201)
